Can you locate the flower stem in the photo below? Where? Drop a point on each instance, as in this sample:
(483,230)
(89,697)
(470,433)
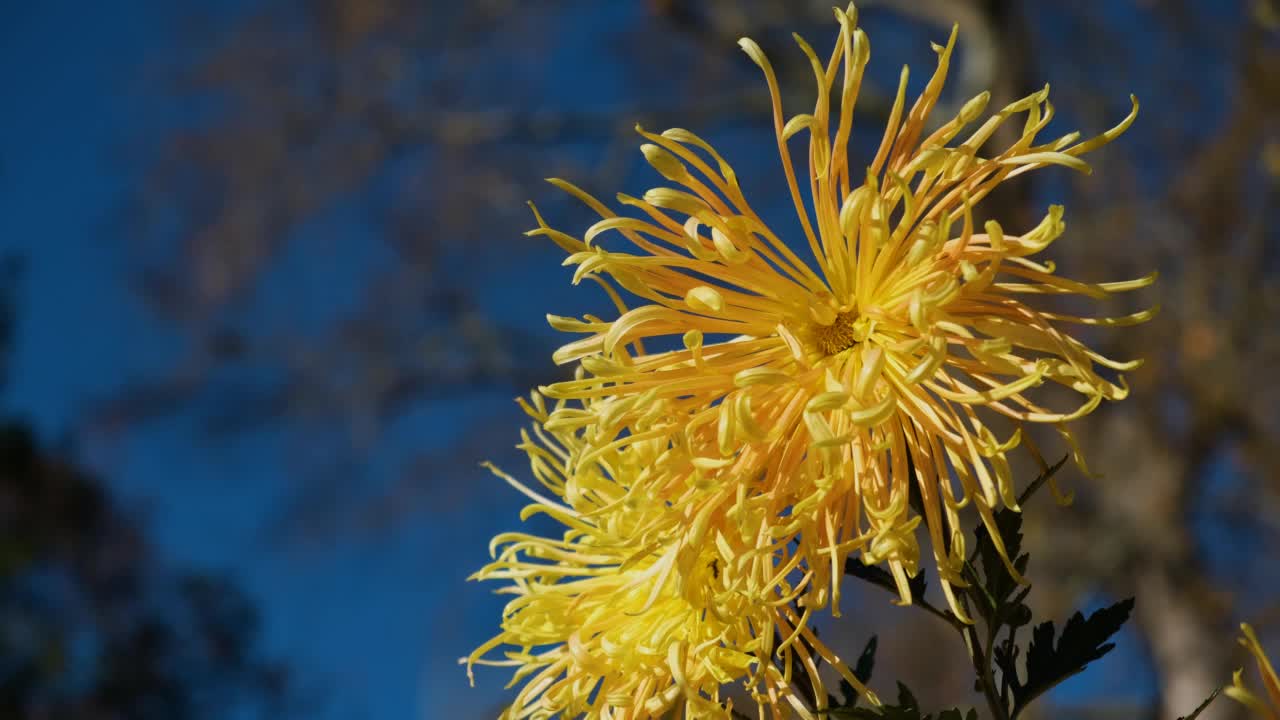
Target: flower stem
(981,656)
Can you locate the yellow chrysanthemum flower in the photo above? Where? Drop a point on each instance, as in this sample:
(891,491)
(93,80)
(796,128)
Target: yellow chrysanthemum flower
(640,609)
(821,391)
(1237,690)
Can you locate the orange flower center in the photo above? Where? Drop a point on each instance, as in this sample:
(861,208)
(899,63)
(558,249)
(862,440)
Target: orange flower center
(840,335)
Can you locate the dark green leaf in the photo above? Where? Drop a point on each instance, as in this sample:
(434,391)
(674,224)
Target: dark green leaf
(1082,641)
(988,569)
(1018,614)
(866,662)
(905,709)
(862,671)
(995,576)
(993,585)
(1005,657)
(905,699)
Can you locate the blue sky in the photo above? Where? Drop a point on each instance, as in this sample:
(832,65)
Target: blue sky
(357,617)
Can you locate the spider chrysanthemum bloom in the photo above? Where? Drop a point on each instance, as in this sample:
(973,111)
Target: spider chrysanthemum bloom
(640,609)
(824,390)
(1269,709)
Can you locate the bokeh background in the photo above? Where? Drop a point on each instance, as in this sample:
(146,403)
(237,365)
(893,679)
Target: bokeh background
(267,303)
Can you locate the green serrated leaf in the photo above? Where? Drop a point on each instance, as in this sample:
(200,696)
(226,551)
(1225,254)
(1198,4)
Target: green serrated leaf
(1009,524)
(1005,657)
(995,577)
(988,570)
(862,670)
(906,700)
(1082,641)
(866,662)
(905,709)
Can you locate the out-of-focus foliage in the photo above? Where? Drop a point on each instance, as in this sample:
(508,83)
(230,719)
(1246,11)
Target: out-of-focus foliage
(93,624)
